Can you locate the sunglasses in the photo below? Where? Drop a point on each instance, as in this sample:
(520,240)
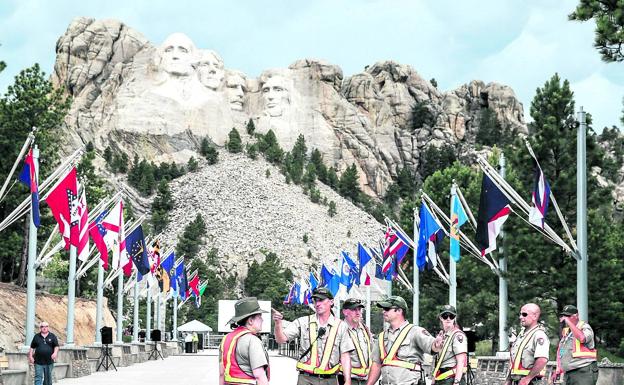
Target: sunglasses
(524,314)
(448,316)
(43,326)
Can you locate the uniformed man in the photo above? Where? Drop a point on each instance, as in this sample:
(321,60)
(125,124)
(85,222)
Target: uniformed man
(361,337)
(576,354)
(451,363)
(529,351)
(242,357)
(318,365)
(399,353)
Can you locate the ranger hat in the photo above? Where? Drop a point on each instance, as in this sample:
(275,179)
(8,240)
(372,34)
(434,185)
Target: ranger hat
(322,293)
(569,310)
(244,308)
(352,303)
(450,309)
(393,302)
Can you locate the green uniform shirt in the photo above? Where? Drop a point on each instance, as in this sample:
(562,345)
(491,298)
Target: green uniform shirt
(566,346)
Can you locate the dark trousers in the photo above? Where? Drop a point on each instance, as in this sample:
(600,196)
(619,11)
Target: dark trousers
(587,375)
(451,380)
(304,379)
(354,381)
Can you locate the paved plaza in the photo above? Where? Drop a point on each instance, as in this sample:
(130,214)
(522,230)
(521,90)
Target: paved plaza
(193,369)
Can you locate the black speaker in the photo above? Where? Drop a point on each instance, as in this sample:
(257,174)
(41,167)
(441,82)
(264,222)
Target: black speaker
(155,335)
(107,335)
(472,340)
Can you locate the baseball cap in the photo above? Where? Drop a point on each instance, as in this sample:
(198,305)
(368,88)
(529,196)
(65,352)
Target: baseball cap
(352,303)
(448,309)
(393,301)
(569,310)
(322,293)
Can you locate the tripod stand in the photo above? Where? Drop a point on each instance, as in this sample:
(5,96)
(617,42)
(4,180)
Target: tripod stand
(106,359)
(155,353)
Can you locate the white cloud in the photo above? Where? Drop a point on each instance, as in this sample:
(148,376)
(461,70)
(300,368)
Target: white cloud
(600,97)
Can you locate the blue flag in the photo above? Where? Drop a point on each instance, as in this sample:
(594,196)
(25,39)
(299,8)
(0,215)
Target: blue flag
(380,274)
(165,271)
(330,280)
(135,245)
(363,255)
(348,273)
(182,280)
(427,238)
(458,218)
(494,209)
(313,282)
(28,176)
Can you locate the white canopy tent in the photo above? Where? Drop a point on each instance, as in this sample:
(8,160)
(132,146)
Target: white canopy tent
(195,326)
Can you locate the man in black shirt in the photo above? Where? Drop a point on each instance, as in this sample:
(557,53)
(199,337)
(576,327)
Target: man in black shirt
(43,351)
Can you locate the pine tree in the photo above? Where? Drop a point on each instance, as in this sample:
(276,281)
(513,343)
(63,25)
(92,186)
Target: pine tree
(209,152)
(348,186)
(108,154)
(609,26)
(269,146)
(251,127)
(332,178)
(192,164)
(234,144)
(252,151)
(316,158)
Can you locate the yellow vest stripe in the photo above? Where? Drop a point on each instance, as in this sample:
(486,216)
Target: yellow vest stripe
(312,365)
(441,356)
(226,375)
(388,359)
(516,368)
(365,368)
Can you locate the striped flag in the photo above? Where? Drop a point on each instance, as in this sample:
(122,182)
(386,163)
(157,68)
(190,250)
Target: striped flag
(83,228)
(494,209)
(540,198)
(458,218)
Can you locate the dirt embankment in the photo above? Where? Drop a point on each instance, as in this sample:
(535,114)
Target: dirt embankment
(51,308)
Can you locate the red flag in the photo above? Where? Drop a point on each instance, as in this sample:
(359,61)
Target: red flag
(83,226)
(63,200)
(194,284)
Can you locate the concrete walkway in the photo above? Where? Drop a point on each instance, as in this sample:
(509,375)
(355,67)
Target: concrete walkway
(193,369)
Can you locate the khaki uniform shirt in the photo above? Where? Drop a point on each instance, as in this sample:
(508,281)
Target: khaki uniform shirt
(363,343)
(458,345)
(250,353)
(566,346)
(536,348)
(417,342)
(300,328)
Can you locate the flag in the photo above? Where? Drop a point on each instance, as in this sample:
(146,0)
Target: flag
(348,271)
(385,276)
(83,227)
(458,218)
(62,200)
(125,261)
(198,297)
(98,232)
(154,256)
(135,246)
(313,282)
(193,284)
(429,234)
(494,208)
(165,272)
(112,226)
(29,176)
(367,280)
(395,245)
(182,281)
(363,256)
(330,280)
(290,296)
(540,198)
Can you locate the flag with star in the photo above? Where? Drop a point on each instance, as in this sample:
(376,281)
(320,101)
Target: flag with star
(135,245)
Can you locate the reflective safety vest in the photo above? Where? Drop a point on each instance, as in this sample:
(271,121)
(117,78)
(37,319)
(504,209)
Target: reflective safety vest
(314,365)
(390,358)
(579,350)
(441,355)
(516,364)
(233,374)
(364,369)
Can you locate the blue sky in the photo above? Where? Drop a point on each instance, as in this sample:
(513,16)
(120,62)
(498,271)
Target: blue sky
(518,43)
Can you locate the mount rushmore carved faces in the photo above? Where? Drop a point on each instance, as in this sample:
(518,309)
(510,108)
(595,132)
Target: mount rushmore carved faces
(177,55)
(210,69)
(276,94)
(235,87)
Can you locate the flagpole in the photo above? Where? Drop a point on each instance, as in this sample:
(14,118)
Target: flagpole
(159,303)
(71,296)
(503,301)
(175,315)
(368,294)
(98,303)
(581,218)
(32,272)
(148,314)
(416,283)
(452,263)
(120,292)
(135,313)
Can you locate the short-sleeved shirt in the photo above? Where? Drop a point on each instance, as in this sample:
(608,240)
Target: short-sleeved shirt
(363,339)
(536,348)
(459,345)
(44,347)
(566,346)
(250,353)
(300,328)
(416,343)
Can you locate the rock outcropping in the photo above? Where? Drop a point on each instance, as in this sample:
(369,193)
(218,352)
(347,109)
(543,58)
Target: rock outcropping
(159,101)
(51,308)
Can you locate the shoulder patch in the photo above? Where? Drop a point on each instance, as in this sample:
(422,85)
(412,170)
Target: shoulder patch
(460,338)
(425,332)
(540,341)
